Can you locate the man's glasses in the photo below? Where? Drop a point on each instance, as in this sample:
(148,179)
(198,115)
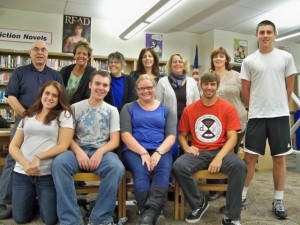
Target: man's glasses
(149,88)
(36,49)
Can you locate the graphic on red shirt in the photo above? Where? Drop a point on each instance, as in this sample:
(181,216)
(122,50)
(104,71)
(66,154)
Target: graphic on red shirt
(208,128)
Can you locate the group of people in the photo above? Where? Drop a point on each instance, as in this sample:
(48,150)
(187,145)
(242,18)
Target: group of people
(77,120)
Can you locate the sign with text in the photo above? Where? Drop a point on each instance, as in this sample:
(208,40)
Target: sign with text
(13,35)
(75,28)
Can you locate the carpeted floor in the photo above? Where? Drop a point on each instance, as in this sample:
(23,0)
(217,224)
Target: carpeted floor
(258,211)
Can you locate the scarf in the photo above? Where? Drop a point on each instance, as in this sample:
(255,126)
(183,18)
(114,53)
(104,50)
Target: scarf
(177,81)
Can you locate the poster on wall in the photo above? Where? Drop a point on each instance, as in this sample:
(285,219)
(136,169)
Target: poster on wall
(75,28)
(155,41)
(240,50)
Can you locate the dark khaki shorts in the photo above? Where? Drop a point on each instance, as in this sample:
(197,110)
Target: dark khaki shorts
(276,130)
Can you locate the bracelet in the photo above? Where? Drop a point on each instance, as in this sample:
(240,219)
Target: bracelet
(159,152)
(145,153)
(38,157)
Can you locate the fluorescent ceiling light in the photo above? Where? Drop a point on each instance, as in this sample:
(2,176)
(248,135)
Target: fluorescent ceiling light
(162,10)
(152,14)
(288,35)
(136,30)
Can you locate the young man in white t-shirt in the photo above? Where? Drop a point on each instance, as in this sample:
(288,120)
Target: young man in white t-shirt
(97,126)
(267,84)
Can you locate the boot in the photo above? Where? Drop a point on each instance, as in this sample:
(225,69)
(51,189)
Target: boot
(154,206)
(141,199)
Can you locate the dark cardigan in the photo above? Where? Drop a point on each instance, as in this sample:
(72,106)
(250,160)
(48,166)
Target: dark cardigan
(83,90)
(129,92)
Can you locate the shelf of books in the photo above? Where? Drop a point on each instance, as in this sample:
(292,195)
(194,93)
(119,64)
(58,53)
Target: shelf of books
(101,63)
(163,67)
(11,59)
(5,111)
(58,60)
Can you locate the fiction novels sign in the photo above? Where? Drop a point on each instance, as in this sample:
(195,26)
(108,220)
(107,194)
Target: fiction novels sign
(13,35)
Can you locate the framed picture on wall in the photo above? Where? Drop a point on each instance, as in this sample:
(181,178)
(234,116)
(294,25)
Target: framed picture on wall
(75,28)
(155,41)
(240,50)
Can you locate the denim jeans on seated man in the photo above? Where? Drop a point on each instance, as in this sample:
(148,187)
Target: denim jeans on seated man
(25,188)
(111,171)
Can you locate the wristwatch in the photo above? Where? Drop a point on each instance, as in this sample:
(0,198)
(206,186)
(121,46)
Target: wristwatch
(159,152)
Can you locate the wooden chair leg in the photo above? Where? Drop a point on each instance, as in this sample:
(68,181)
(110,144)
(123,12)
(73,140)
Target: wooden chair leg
(182,204)
(176,201)
(179,202)
(122,199)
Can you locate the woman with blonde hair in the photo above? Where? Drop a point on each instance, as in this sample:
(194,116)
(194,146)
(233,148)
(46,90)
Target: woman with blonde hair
(178,89)
(148,130)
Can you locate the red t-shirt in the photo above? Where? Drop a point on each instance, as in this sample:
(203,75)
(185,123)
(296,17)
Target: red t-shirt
(208,124)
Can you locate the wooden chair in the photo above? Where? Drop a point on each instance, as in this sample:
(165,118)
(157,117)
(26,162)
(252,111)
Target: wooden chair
(126,187)
(179,202)
(94,188)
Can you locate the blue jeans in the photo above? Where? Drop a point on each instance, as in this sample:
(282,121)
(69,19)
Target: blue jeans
(111,171)
(7,172)
(141,174)
(25,190)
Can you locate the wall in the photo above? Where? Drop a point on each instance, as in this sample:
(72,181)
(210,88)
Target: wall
(104,38)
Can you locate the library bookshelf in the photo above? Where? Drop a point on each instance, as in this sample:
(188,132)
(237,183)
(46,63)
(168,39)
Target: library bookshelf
(11,59)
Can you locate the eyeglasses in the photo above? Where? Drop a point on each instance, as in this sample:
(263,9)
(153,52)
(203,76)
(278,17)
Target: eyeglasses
(36,49)
(149,88)
(114,62)
(177,61)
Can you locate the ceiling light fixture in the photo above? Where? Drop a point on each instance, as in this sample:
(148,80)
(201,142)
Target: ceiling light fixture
(145,20)
(288,35)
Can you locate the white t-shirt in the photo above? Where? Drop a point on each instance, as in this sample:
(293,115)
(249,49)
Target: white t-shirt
(267,73)
(93,125)
(39,137)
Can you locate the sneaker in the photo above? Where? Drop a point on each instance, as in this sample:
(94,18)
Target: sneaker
(230,222)
(244,203)
(5,213)
(223,208)
(196,214)
(278,210)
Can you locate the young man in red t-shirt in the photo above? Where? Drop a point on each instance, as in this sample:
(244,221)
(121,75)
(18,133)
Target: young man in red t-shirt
(212,124)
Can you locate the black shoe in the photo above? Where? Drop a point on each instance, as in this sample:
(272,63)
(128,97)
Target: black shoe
(278,210)
(196,214)
(230,222)
(5,213)
(148,218)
